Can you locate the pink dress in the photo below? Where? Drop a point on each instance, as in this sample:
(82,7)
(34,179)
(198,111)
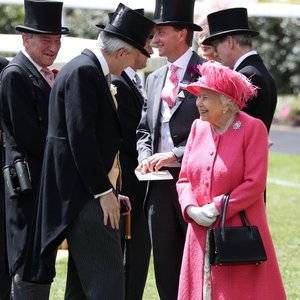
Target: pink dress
(213,165)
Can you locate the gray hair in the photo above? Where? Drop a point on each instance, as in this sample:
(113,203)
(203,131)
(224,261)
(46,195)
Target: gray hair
(244,40)
(227,102)
(110,44)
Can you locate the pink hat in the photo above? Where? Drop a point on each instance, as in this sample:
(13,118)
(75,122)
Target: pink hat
(222,80)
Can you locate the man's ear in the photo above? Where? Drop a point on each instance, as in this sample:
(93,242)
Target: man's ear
(231,42)
(182,34)
(121,52)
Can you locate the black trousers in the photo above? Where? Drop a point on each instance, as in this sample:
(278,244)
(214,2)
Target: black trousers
(137,250)
(95,266)
(167,231)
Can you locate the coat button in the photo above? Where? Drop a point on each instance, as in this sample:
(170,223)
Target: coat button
(211,153)
(208,168)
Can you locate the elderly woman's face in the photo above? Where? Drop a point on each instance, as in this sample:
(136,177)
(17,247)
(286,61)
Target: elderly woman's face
(210,106)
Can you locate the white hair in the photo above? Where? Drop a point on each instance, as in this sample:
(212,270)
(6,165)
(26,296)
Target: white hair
(110,44)
(227,102)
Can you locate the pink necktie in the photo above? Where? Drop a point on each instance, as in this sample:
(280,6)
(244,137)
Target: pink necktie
(48,75)
(169,91)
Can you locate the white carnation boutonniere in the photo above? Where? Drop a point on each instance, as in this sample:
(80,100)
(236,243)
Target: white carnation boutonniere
(113,90)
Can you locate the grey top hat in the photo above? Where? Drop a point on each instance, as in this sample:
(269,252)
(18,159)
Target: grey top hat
(227,22)
(42,17)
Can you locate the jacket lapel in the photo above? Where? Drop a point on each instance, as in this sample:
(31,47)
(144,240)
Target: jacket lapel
(189,76)
(138,94)
(102,79)
(159,82)
(33,73)
(250,60)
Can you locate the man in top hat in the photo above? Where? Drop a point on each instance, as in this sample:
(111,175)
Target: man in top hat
(79,184)
(162,134)
(137,249)
(232,38)
(24,95)
(4,276)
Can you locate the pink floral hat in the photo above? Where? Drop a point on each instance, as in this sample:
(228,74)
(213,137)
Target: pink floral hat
(222,80)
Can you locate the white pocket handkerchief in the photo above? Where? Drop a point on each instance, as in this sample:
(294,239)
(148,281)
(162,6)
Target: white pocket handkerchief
(181,95)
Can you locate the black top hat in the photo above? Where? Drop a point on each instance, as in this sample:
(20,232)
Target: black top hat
(227,22)
(110,15)
(176,13)
(42,17)
(130,26)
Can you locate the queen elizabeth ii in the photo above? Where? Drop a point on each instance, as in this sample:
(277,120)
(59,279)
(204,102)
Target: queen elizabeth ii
(227,152)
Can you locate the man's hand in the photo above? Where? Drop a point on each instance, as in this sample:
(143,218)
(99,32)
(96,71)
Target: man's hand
(111,209)
(125,202)
(156,161)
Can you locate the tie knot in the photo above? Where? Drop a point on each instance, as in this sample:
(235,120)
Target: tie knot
(138,80)
(48,75)
(173,75)
(173,69)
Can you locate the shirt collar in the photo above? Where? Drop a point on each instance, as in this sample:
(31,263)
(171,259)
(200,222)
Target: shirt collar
(37,66)
(130,73)
(243,57)
(102,61)
(183,60)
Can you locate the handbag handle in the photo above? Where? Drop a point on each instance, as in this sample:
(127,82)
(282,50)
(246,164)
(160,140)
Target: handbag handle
(242,215)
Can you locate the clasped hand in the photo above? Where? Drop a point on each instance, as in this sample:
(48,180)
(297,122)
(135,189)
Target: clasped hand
(156,162)
(204,215)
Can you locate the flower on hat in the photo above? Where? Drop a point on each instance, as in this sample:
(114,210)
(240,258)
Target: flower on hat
(222,80)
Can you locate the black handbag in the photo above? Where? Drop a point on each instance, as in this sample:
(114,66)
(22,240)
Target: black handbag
(235,245)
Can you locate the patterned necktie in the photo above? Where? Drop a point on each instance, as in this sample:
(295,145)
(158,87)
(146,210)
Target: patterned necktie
(169,91)
(48,75)
(138,84)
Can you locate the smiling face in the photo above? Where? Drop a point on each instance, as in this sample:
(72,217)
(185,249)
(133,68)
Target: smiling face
(42,48)
(170,41)
(210,106)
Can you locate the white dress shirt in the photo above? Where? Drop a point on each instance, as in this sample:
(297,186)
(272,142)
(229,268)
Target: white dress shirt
(37,66)
(166,143)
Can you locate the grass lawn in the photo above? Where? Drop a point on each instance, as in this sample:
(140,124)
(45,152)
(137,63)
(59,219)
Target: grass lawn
(283,205)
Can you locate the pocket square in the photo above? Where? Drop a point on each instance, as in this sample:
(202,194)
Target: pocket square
(181,95)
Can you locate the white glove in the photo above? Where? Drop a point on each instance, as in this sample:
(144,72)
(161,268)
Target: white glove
(204,215)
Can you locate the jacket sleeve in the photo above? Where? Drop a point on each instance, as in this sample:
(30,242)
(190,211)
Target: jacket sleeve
(82,97)
(144,138)
(20,120)
(128,116)
(252,187)
(184,189)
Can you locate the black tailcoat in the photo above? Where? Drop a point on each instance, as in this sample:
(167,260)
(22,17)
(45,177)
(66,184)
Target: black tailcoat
(137,251)
(263,105)
(4,277)
(83,138)
(24,107)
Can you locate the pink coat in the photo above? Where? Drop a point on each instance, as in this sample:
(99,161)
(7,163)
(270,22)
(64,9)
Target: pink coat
(213,165)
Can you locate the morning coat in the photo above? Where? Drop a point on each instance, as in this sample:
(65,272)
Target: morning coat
(184,113)
(24,107)
(83,139)
(263,105)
